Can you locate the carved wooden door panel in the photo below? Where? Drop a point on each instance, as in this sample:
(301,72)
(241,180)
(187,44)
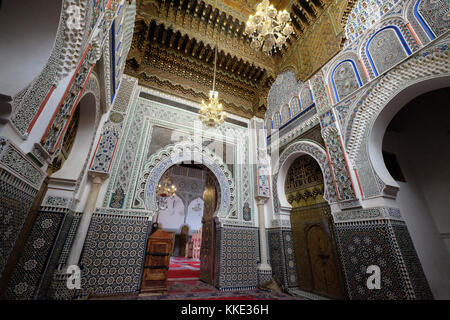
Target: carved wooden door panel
(207,249)
(325,274)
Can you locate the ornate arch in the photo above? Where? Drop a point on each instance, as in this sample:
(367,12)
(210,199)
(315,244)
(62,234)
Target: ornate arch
(419,26)
(426,65)
(358,73)
(302,147)
(399,25)
(185,151)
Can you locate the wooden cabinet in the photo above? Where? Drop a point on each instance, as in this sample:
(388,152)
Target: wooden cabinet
(157,260)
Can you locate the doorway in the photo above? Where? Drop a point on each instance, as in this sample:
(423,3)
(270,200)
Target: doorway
(415,152)
(318,267)
(189,217)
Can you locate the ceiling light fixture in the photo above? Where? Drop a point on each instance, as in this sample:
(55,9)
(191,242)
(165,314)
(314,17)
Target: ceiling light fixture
(212,114)
(268,28)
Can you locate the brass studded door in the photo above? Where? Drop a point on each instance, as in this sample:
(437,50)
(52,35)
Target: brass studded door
(207,249)
(318,268)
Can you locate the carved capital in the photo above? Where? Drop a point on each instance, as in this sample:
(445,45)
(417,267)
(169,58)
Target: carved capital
(261,200)
(98,177)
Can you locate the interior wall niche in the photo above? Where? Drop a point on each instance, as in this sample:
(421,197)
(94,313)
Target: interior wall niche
(318,266)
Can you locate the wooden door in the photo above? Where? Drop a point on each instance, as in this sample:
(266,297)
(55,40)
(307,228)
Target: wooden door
(207,249)
(324,269)
(318,268)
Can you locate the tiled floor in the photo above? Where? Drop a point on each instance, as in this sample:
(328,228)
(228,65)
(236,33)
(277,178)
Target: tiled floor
(183,284)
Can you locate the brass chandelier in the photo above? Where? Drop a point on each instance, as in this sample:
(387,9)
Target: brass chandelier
(268,28)
(212,114)
(165,191)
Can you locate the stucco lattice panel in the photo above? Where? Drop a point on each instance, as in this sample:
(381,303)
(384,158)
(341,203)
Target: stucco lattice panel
(436,15)
(282,90)
(112,129)
(338,163)
(415,23)
(63,114)
(32,263)
(383,54)
(430,62)
(13,159)
(386,50)
(306,98)
(320,92)
(315,151)
(345,80)
(364,15)
(113,255)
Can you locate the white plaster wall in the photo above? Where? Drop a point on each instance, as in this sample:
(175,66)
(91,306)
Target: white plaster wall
(423,152)
(172,218)
(194,218)
(28,32)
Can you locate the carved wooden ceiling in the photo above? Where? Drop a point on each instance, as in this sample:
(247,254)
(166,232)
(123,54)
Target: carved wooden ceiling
(173,49)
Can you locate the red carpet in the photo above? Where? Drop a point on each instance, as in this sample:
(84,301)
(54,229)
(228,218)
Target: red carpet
(183,274)
(183,268)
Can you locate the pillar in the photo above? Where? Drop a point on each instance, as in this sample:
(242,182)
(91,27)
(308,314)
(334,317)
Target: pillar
(97,179)
(264,269)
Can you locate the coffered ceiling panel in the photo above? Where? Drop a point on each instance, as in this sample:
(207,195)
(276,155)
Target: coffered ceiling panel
(173,49)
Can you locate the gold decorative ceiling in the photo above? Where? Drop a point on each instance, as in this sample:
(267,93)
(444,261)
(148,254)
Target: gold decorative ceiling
(173,49)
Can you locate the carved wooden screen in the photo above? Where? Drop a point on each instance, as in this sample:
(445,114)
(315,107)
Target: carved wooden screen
(318,266)
(207,249)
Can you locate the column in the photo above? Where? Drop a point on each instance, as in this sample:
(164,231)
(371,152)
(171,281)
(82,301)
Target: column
(264,269)
(97,179)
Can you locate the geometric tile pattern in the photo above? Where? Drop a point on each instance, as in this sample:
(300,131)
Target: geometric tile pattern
(236,258)
(113,254)
(282,257)
(59,252)
(367,243)
(28,272)
(16,198)
(418,280)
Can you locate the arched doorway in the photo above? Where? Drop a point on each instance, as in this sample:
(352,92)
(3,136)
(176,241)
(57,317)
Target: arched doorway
(414,156)
(318,266)
(190,217)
